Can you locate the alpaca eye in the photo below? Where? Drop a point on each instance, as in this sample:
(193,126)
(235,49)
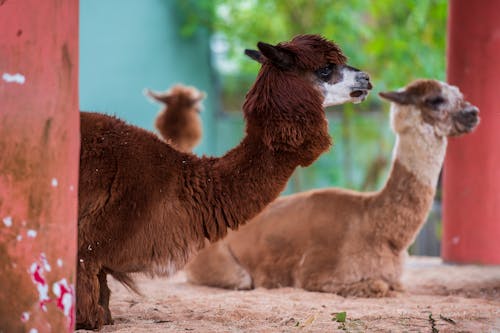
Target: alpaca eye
(325,72)
(435,102)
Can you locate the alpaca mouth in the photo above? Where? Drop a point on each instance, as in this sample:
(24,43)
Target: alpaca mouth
(467,120)
(361,92)
(466,126)
(357,93)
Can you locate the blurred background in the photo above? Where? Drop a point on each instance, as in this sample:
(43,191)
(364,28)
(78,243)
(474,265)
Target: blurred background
(129,45)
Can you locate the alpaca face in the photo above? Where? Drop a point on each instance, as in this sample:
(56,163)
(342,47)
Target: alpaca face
(179,122)
(341,84)
(439,105)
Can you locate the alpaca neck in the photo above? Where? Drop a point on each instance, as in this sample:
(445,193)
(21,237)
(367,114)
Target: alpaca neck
(407,196)
(230,190)
(422,153)
(286,127)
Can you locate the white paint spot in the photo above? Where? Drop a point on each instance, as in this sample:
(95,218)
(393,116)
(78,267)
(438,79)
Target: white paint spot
(19,238)
(31,233)
(14,78)
(7,221)
(25,316)
(81,260)
(455,240)
(45,263)
(89,247)
(71,188)
(54,182)
(43,289)
(64,295)
(33,330)
(59,262)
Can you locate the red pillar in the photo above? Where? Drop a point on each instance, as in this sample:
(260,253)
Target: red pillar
(39,153)
(471,207)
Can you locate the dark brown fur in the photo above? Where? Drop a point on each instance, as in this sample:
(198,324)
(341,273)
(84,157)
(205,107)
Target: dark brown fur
(145,207)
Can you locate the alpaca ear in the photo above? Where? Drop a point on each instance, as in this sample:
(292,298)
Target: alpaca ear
(400,97)
(159,97)
(255,55)
(277,56)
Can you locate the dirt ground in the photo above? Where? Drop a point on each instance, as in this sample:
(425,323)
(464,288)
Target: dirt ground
(438,298)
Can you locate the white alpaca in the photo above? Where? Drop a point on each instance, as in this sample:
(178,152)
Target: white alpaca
(342,241)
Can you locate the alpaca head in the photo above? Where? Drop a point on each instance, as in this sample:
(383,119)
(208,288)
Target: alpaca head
(436,105)
(179,121)
(285,106)
(322,62)
(179,98)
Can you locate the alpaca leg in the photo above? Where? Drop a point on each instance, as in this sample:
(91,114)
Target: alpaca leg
(89,314)
(365,288)
(216,266)
(104,293)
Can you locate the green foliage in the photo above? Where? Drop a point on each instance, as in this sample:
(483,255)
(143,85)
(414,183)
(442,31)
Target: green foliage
(395,41)
(340,317)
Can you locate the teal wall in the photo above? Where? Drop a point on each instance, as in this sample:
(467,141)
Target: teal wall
(129,45)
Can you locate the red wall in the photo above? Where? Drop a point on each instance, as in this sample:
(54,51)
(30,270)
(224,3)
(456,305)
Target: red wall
(471,195)
(39,143)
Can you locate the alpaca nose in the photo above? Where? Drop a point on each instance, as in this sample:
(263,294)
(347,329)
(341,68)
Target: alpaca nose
(469,116)
(364,78)
(472,111)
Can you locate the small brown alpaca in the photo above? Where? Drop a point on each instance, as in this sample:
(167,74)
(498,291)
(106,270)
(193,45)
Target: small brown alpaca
(342,241)
(146,207)
(179,122)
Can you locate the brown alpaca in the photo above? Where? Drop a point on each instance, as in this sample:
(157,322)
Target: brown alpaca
(179,122)
(342,241)
(146,207)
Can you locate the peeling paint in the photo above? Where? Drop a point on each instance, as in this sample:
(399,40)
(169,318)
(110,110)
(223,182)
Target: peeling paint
(19,238)
(14,78)
(43,289)
(65,298)
(25,317)
(455,240)
(54,182)
(64,292)
(31,233)
(7,221)
(33,330)
(45,263)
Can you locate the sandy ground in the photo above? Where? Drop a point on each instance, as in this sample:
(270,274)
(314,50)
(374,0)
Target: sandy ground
(447,298)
